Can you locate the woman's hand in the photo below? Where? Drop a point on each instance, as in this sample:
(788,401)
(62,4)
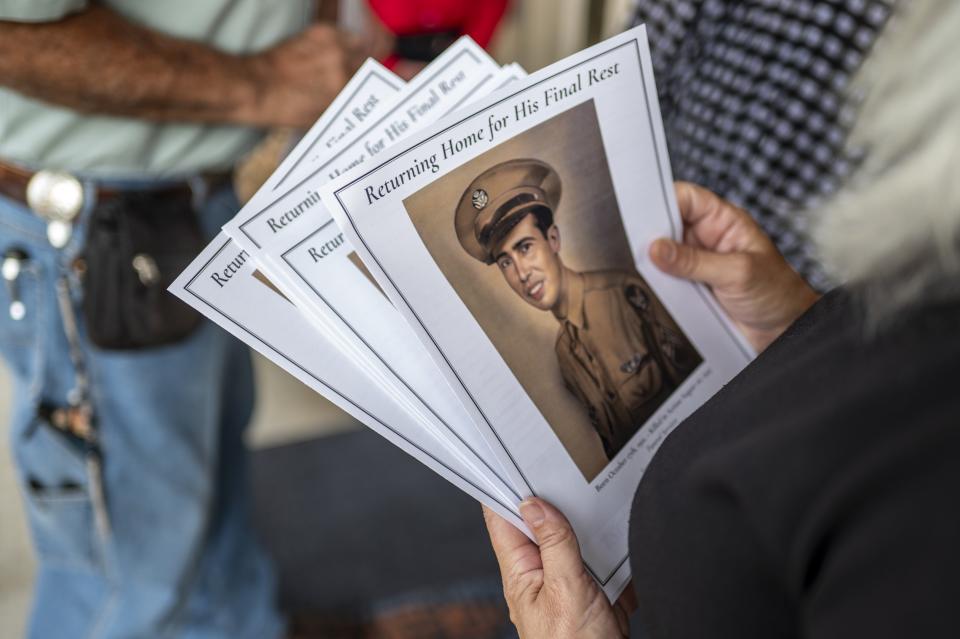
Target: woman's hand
(548,590)
(724,248)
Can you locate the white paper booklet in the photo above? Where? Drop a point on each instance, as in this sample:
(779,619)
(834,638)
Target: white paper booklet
(334,288)
(453,78)
(513,238)
(223,285)
(372,88)
(220,283)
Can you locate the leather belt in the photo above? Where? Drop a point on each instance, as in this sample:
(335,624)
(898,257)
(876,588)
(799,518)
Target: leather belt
(59,197)
(15,180)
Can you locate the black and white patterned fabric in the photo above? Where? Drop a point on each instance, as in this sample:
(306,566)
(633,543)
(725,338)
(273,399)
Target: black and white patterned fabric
(756,102)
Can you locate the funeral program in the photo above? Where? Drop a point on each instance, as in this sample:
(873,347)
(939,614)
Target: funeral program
(460,263)
(513,239)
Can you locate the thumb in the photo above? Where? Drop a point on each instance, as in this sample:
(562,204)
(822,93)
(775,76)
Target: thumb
(559,550)
(694,263)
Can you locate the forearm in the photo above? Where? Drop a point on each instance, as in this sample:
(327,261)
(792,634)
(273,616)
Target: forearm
(98,62)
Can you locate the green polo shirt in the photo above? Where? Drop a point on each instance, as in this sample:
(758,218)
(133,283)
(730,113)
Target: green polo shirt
(40,135)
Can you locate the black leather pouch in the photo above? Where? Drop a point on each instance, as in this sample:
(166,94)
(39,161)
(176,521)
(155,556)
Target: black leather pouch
(137,244)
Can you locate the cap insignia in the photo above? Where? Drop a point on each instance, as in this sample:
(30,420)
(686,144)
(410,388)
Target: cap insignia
(480,199)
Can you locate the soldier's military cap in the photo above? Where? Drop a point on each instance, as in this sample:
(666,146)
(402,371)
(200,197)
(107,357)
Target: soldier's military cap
(498,199)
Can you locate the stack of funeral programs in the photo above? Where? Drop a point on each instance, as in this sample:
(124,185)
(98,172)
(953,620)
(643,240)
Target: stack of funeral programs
(460,263)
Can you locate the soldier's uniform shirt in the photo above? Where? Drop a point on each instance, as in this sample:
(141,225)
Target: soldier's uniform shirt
(620,352)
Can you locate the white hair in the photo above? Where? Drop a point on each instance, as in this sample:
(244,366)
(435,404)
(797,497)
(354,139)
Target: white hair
(894,230)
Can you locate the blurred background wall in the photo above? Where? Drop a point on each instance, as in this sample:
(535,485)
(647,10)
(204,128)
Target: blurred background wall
(538,32)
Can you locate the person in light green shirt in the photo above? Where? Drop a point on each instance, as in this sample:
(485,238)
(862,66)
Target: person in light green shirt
(131,461)
(134,88)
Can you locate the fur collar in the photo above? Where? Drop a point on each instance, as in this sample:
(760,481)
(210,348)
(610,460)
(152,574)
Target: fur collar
(893,231)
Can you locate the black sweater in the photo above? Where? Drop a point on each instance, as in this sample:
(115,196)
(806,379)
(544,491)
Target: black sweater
(817,495)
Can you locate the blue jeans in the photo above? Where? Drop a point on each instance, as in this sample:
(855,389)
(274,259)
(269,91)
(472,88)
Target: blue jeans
(154,541)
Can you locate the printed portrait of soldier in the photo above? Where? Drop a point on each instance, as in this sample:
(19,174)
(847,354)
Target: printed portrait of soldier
(619,351)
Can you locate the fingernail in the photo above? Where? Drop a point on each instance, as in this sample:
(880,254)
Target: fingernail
(532,513)
(666,251)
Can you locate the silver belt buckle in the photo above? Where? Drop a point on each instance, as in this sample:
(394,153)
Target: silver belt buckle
(57,197)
